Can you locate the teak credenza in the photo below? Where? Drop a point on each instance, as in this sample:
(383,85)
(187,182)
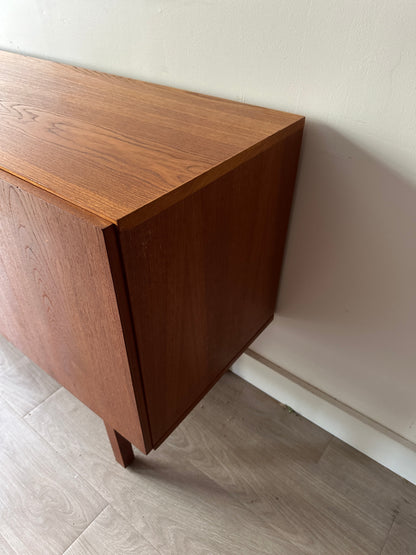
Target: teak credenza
(142,231)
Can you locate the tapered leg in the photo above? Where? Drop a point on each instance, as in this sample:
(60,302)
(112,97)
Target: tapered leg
(122,448)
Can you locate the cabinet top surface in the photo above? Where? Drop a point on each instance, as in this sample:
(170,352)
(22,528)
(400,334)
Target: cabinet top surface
(120,148)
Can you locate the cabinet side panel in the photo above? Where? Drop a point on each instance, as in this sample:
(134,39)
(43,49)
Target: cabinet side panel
(203,277)
(58,304)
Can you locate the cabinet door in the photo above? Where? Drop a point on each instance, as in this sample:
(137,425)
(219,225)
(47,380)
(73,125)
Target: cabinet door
(58,303)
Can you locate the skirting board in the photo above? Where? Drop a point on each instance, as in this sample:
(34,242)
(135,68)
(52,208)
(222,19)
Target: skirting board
(374,440)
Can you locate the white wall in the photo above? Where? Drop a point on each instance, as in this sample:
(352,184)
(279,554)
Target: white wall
(347,309)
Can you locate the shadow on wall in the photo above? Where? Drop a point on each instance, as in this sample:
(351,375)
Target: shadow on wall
(352,238)
(346,313)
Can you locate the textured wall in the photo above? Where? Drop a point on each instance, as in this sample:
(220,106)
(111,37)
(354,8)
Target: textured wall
(347,309)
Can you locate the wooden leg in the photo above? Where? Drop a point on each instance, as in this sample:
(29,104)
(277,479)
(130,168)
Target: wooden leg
(122,448)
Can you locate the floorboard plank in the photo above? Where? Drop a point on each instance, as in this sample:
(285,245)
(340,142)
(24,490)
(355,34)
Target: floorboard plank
(9,355)
(110,534)
(275,471)
(22,384)
(266,461)
(402,538)
(5,548)
(241,474)
(368,485)
(175,506)
(44,504)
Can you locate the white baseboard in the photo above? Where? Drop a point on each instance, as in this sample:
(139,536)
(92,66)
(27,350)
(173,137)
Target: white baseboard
(373,439)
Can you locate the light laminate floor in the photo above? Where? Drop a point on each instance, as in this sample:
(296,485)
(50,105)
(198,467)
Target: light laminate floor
(241,475)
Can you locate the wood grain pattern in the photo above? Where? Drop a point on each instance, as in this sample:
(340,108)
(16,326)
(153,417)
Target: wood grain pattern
(240,475)
(59,305)
(9,355)
(25,377)
(270,460)
(5,548)
(120,148)
(401,539)
(44,507)
(356,476)
(202,278)
(110,534)
(169,501)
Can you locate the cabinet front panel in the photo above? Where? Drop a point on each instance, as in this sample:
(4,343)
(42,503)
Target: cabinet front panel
(58,304)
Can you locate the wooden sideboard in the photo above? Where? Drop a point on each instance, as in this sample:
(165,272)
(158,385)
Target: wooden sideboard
(142,231)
